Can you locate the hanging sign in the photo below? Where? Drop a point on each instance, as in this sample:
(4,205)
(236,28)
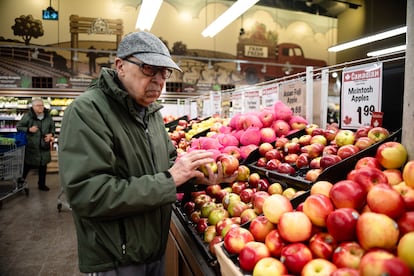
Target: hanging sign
(215,101)
(237,102)
(270,94)
(361,95)
(293,94)
(252,100)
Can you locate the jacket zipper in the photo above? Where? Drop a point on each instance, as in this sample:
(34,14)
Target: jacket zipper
(123,236)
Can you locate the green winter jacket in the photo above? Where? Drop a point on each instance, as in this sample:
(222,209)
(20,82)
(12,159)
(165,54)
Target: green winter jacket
(112,169)
(35,155)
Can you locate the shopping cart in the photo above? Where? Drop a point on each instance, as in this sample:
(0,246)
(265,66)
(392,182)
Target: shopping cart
(11,171)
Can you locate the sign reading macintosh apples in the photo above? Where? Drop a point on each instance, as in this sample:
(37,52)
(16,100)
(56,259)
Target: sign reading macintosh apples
(361,95)
(293,94)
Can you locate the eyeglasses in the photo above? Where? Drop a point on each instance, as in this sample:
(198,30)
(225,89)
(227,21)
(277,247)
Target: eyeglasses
(150,70)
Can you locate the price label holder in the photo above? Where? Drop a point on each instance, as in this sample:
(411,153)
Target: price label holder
(361,95)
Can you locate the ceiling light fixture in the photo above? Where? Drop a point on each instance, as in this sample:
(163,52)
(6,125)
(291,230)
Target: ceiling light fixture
(387,51)
(147,13)
(231,14)
(368,39)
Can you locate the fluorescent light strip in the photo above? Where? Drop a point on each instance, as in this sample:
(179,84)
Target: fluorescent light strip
(368,39)
(147,13)
(387,51)
(231,14)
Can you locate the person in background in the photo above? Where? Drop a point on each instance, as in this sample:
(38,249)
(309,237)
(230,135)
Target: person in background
(118,167)
(40,130)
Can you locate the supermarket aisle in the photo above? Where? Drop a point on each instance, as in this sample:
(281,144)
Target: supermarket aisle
(36,239)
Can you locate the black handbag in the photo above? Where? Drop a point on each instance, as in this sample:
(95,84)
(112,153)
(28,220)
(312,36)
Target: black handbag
(44,145)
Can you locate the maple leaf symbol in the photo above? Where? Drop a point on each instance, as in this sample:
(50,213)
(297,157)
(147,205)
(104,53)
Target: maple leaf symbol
(347,120)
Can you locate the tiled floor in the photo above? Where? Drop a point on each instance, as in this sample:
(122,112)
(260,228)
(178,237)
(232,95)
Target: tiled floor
(36,239)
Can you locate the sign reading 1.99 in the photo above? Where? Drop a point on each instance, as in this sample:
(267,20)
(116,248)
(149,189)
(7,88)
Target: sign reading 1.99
(361,95)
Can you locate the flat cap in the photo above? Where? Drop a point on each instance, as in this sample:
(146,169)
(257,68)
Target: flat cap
(147,48)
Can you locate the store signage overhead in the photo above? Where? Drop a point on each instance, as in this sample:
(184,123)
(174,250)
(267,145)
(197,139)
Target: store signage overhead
(255,51)
(361,95)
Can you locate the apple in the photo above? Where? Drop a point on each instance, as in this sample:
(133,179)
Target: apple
(238,186)
(347,151)
(286,168)
(229,198)
(405,250)
(369,177)
(267,134)
(362,131)
(341,224)
(206,208)
(381,262)
(288,229)
(330,149)
(189,207)
(368,161)
(391,155)
(313,150)
(229,163)
(265,147)
(236,238)
(289,192)
(345,271)
(348,194)
(315,163)
(261,162)
(382,198)
(295,256)
(321,187)
(273,164)
(217,215)
(304,139)
(406,223)
(348,254)
(329,160)
(364,142)
(212,190)
(297,122)
(408,173)
(275,188)
(310,128)
(344,137)
(209,233)
(236,207)
(251,253)
(317,131)
(246,195)
(330,133)
(394,176)
(302,161)
(254,179)
(211,246)
(322,245)
(247,216)
(274,206)
(222,193)
(232,150)
(195,216)
(384,235)
(313,174)
(201,199)
(260,226)
(269,266)
(267,117)
(292,147)
(222,223)
(259,198)
(280,127)
(318,266)
(321,139)
(280,142)
(263,184)
(201,225)
(212,166)
(291,158)
(378,133)
(274,243)
(317,207)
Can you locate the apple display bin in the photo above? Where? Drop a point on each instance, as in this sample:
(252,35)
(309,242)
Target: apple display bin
(332,174)
(173,124)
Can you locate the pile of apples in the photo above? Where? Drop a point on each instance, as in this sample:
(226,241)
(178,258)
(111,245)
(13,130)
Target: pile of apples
(361,225)
(316,149)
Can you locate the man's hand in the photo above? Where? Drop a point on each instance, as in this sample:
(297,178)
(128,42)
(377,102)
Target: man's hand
(217,178)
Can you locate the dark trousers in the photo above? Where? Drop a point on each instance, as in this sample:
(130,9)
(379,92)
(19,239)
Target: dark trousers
(41,172)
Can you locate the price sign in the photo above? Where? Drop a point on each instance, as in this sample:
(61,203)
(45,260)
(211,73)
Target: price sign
(251,100)
(361,95)
(292,93)
(270,95)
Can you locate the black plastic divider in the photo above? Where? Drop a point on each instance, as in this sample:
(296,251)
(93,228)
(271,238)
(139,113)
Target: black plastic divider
(173,124)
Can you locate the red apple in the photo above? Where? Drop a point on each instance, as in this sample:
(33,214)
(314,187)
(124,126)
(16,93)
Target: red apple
(313,174)
(341,224)
(378,133)
(362,131)
(265,147)
(288,229)
(391,155)
(267,134)
(348,254)
(251,253)
(201,225)
(330,149)
(189,207)
(321,187)
(382,198)
(315,163)
(246,195)
(229,163)
(232,150)
(259,199)
(406,223)
(407,193)
(273,164)
(267,117)
(261,162)
(313,150)
(310,128)
(297,122)
(381,262)
(229,198)
(274,206)
(405,250)
(281,127)
(216,215)
(364,142)
(369,177)
(320,138)
(269,266)
(394,176)
(236,208)
(384,235)
(274,243)
(211,246)
(286,168)
(236,238)
(330,133)
(344,137)
(195,216)
(263,184)
(260,226)
(292,147)
(348,194)
(238,186)
(275,188)
(347,151)
(303,160)
(291,158)
(280,142)
(345,271)
(304,139)
(295,256)
(254,179)
(408,173)
(247,216)
(317,131)
(329,160)
(317,267)
(322,245)
(201,199)
(221,224)
(209,233)
(212,190)
(317,207)
(368,161)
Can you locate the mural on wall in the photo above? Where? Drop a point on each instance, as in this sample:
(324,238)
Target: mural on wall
(27,27)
